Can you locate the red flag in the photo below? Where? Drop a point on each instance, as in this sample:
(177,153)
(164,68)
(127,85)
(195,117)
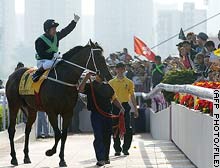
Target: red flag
(142,49)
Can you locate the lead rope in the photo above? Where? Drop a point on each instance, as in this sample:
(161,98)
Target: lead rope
(120,128)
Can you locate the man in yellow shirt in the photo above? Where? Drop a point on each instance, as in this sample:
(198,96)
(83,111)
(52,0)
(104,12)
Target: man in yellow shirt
(124,89)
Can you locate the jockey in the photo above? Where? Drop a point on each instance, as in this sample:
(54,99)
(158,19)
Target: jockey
(47,45)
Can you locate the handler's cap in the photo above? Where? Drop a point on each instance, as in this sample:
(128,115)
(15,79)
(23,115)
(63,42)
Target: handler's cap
(120,65)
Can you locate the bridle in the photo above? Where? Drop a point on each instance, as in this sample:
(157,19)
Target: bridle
(91,57)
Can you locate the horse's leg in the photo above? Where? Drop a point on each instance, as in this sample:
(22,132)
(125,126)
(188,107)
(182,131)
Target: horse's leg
(66,121)
(57,133)
(31,119)
(13,111)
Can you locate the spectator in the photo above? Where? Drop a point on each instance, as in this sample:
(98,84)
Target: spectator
(158,70)
(147,77)
(200,68)
(112,60)
(125,56)
(191,53)
(184,58)
(208,65)
(130,72)
(19,65)
(219,35)
(74,127)
(210,46)
(1,84)
(179,45)
(191,37)
(42,125)
(201,40)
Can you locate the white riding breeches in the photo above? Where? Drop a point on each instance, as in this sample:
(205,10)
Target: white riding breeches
(46,64)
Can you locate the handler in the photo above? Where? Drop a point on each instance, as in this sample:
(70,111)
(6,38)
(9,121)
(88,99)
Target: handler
(124,89)
(102,126)
(47,45)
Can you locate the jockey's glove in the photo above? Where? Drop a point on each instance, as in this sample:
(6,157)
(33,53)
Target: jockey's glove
(76,18)
(57,55)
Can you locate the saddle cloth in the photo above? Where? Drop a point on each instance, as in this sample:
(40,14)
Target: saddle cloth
(27,86)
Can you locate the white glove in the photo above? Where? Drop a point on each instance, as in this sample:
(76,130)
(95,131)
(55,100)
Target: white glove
(76,18)
(56,55)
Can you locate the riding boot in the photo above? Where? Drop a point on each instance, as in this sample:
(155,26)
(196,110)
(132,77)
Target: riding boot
(36,76)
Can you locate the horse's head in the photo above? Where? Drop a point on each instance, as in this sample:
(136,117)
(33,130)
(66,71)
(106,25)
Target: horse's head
(99,63)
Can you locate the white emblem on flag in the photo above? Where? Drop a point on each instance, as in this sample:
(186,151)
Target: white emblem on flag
(146,50)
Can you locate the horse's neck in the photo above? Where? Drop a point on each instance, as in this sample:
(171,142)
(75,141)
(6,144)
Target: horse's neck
(70,73)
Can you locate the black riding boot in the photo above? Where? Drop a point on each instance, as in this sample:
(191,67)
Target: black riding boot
(36,76)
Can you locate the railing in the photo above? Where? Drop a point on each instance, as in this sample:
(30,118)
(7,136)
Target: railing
(4,112)
(4,115)
(203,93)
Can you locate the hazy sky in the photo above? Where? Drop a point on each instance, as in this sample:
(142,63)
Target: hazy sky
(19,5)
(199,3)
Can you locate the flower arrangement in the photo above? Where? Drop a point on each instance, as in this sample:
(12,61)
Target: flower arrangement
(177,77)
(194,102)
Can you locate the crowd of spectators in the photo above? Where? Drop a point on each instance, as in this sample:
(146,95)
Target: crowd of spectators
(196,52)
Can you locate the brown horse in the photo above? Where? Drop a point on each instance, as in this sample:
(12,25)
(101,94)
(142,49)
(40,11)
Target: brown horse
(57,96)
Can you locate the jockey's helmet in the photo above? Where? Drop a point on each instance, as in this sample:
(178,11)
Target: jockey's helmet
(49,23)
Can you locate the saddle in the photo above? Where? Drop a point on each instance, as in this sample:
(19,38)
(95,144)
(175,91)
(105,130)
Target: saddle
(27,86)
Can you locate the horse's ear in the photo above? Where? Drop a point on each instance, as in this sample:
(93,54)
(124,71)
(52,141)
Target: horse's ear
(91,43)
(96,44)
(88,43)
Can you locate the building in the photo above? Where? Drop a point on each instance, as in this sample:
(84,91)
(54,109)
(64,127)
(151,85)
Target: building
(170,20)
(213,9)
(61,11)
(8,39)
(118,21)
(2,11)
(192,16)
(168,24)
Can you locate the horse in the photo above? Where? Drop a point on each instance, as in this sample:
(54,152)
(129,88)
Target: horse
(58,95)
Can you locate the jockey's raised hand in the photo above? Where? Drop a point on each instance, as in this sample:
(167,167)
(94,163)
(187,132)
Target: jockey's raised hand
(76,18)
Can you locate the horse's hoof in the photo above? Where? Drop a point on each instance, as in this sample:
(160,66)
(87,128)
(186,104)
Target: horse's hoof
(27,160)
(62,164)
(14,162)
(50,152)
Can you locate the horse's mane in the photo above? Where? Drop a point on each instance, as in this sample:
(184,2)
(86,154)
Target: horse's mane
(72,51)
(76,49)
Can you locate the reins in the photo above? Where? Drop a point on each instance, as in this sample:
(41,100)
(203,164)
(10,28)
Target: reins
(120,127)
(91,56)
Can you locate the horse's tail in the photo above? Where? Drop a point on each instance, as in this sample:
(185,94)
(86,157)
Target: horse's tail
(13,97)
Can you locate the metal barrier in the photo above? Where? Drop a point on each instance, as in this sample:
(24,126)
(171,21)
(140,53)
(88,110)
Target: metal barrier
(5,112)
(203,93)
(3,104)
